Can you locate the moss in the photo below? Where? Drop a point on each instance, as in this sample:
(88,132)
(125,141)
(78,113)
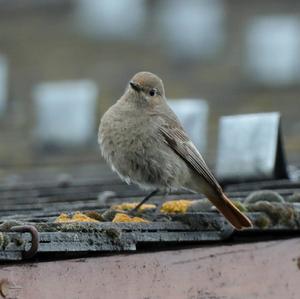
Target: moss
(90,227)
(7,225)
(264,195)
(279,213)
(201,205)
(4,240)
(240,205)
(77,227)
(263,221)
(109,214)
(113,233)
(47,227)
(294,198)
(1,240)
(94,215)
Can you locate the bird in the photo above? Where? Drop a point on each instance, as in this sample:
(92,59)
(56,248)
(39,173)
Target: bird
(144,142)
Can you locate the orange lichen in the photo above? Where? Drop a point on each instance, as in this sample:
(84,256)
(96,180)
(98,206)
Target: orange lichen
(127,206)
(176,206)
(120,217)
(77,217)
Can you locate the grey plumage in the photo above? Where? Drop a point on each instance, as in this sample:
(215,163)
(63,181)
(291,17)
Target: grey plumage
(144,142)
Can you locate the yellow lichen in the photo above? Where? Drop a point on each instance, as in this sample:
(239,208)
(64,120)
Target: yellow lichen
(127,206)
(77,217)
(120,217)
(176,206)
(63,217)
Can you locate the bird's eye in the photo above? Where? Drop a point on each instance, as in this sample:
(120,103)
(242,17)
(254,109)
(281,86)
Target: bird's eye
(152,92)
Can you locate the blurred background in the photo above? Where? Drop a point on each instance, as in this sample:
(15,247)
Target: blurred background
(64,62)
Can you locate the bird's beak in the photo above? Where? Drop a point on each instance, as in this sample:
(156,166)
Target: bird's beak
(135,86)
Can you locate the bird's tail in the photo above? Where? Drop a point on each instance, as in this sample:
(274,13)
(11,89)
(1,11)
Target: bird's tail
(230,211)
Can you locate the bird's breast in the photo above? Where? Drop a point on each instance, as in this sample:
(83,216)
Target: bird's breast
(138,153)
(124,137)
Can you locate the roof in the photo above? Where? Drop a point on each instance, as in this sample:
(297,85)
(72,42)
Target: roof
(29,226)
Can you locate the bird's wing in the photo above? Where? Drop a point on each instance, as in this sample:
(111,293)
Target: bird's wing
(177,139)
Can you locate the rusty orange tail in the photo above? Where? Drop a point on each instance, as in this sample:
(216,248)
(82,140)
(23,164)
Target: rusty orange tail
(231,212)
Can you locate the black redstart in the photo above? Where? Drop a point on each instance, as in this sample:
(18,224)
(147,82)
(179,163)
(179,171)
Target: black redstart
(145,143)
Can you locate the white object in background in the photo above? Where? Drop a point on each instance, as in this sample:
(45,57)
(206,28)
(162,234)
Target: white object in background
(193,114)
(272,49)
(66,111)
(250,147)
(3,83)
(192,28)
(110,19)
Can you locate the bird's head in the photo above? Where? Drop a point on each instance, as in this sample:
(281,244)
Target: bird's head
(146,88)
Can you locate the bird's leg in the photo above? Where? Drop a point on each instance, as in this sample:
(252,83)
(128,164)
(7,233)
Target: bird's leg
(144,200)
(157,210)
